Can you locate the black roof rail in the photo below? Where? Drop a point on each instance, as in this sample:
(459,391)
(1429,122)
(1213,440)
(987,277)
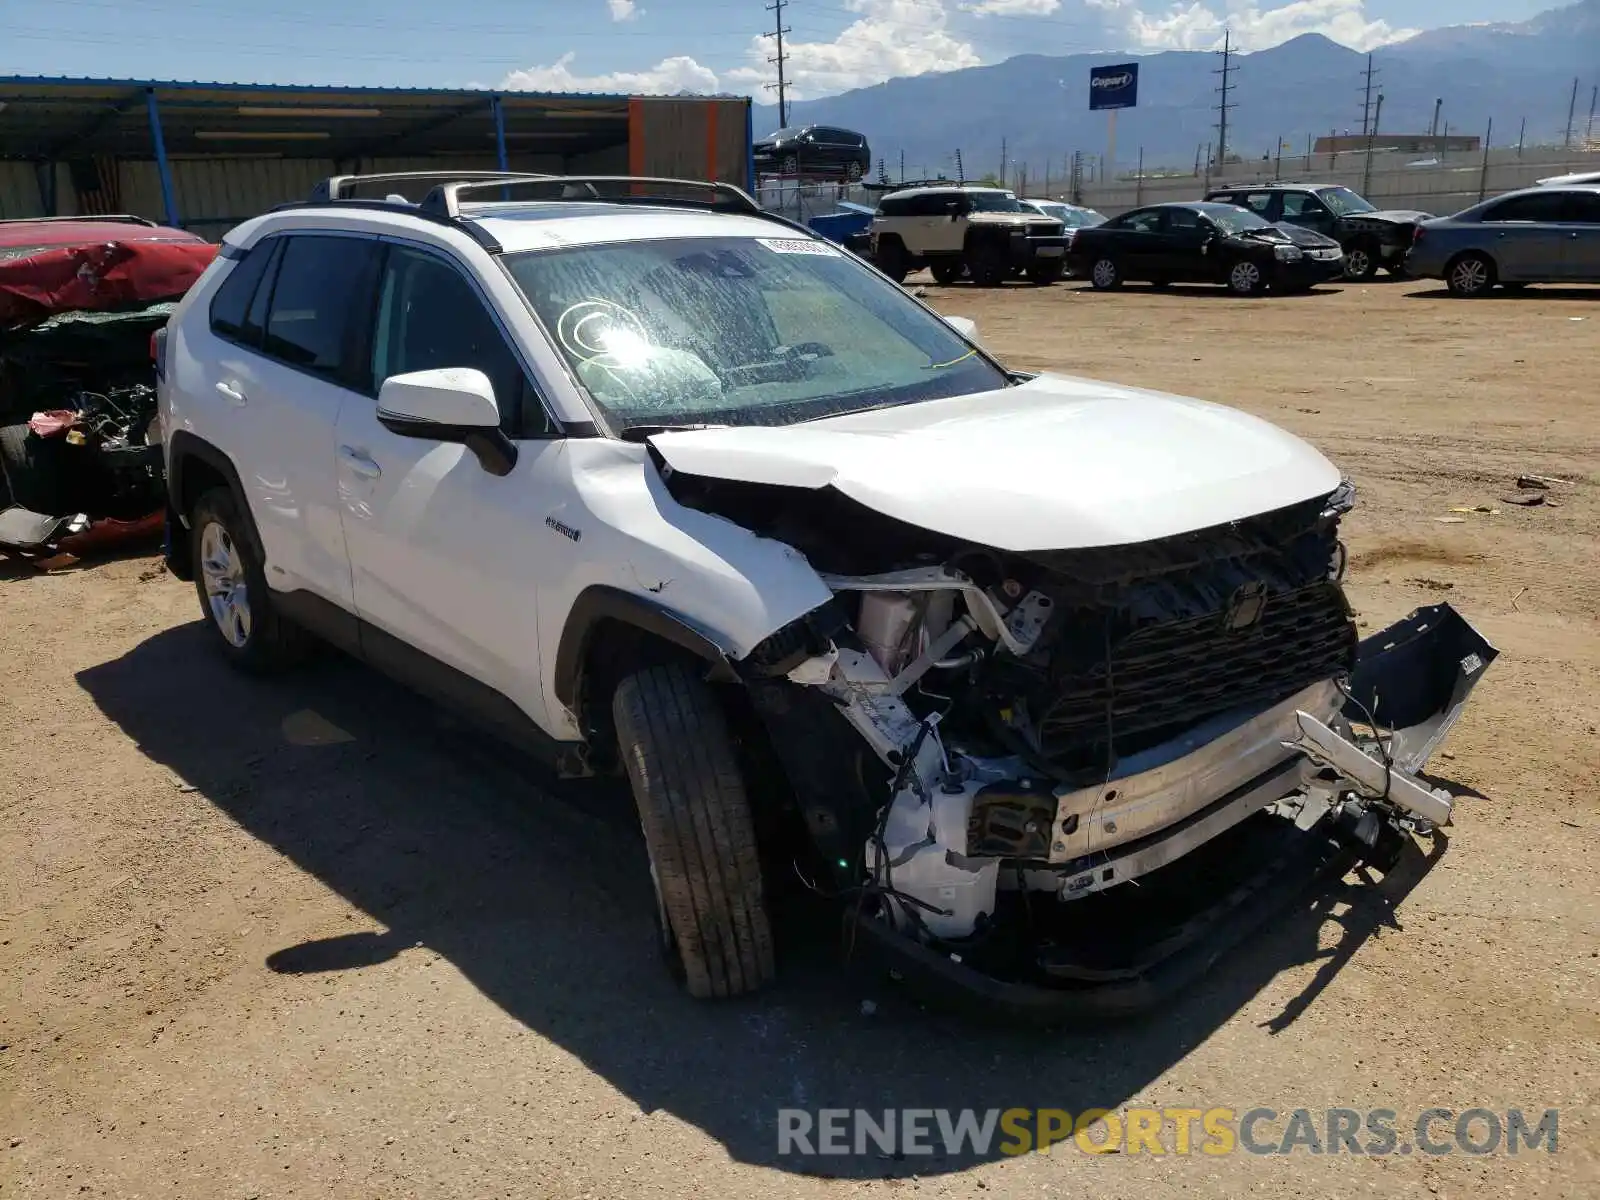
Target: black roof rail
(119,218)
(478,234)
(337,187)
(445,199)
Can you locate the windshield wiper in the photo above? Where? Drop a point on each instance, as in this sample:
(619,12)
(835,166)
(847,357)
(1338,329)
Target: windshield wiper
(639,433)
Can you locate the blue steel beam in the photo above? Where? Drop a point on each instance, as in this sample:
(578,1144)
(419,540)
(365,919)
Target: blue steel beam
(163,167)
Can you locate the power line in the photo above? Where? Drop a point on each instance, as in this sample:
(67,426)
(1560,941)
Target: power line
(1222,103)
(1366,100)
(776,8)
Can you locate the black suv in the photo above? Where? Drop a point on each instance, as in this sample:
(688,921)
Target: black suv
(1370,238)
(814,150)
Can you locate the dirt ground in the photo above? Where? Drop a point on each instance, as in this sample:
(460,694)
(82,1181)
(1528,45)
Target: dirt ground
(313,938)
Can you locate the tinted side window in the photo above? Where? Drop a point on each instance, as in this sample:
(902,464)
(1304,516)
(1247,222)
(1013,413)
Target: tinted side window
(1146,221)
(1302,204)
(1182,220)
(1581,206)
(429,317)
(1256,202)
(1538,207)
(893,208)
(232,301)
(321,281)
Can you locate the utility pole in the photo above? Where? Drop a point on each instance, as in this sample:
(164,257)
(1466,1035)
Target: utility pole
(1588,136)
(1377,115)
(1572,111)
(1222,104)
(1366,100)
(1438,106)
(1002,162)
(776,8)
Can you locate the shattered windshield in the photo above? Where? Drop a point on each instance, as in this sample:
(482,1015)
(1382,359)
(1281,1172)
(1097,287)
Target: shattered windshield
(1342,202)
(1232,220)
(741,331)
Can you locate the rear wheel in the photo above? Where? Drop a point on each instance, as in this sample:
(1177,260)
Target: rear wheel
(988,265)
(946,273)
(1105,275)
(679,754)
(1245,278)
(231,583)
(1470,276)
(890,258)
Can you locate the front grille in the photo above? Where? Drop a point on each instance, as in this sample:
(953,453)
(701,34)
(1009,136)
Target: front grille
(1163,678)
(1045,229)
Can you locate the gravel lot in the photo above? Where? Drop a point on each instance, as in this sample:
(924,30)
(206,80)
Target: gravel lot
(312,938)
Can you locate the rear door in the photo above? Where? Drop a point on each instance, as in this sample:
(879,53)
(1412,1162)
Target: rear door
(1183,237)
(281,372)
(1580,258)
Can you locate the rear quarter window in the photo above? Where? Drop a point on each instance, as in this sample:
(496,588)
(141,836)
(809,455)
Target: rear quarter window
(231,305)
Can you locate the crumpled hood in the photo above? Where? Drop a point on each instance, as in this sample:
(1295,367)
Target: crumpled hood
(1057,463)
(1309,239)
(1391,216)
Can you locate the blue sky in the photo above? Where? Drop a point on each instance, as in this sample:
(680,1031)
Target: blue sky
(655,45)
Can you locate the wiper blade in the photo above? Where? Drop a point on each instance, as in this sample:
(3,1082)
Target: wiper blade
(639,433)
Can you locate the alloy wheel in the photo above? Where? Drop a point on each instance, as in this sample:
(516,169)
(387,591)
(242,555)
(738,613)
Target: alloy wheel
(227,592)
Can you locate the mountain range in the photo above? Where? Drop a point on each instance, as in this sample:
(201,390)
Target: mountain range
(1309,86)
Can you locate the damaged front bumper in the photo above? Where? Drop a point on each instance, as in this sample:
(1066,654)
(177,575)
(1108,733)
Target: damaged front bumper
(1220,828)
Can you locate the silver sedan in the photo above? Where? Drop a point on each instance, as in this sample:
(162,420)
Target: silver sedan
(1545,234)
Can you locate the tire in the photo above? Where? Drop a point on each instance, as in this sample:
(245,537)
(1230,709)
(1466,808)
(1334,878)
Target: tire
(854,172)
(946,273)
(1361,262)
(988,265)
(789,164)
(1105,275)
(890,258)
(231,584)
(679,755)
(1470,276)
(1245,278)
(33,470)
(1046,271)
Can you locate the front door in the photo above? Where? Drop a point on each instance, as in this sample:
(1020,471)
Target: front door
(1183,246)
(444,554)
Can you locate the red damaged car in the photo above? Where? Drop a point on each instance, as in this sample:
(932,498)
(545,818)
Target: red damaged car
(81,300)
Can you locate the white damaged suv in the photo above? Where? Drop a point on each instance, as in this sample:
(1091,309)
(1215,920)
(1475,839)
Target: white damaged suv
(662,485)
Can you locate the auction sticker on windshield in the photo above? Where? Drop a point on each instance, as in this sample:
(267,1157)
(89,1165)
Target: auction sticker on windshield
(796,246)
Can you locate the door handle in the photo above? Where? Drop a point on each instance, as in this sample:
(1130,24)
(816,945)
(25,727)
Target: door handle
(359,462)
(231,394)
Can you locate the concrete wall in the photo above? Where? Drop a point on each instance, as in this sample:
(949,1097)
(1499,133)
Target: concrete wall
(1457,182)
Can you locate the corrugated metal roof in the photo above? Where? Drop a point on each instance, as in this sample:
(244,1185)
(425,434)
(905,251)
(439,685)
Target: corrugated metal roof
(24,81)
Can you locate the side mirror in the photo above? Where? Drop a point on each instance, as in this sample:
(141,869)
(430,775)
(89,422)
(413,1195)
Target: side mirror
(449,404)
(966,327)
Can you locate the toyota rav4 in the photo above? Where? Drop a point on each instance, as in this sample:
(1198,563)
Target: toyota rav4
(664,486)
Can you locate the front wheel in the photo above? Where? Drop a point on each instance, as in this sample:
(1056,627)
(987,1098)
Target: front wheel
(1245,278)
(946,273)
(1105,275)
(1470,276)
(1360,263)
(1045,271)
(679,754)
(232,586)
(988,265)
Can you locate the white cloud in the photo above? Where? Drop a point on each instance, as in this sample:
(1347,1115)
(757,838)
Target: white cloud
(889,38)
(1199,26)
(667,77)
(1012,8)
(623,10)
